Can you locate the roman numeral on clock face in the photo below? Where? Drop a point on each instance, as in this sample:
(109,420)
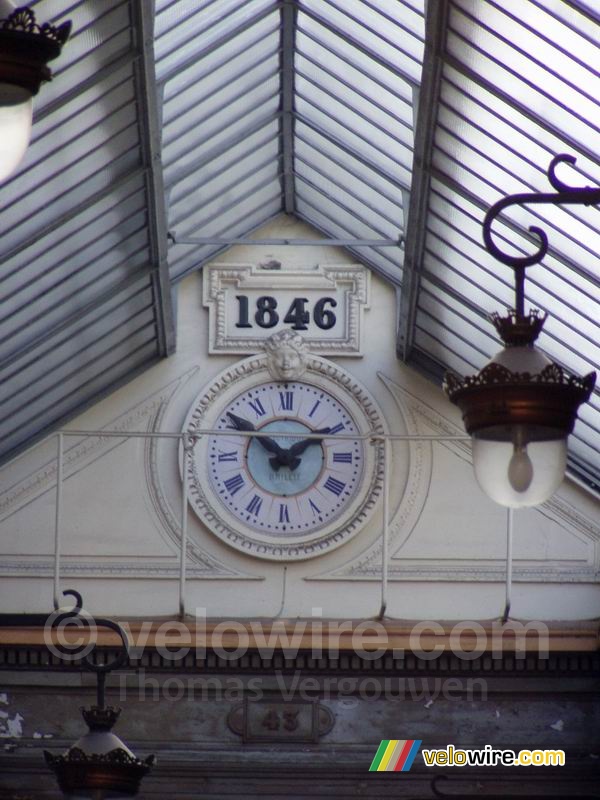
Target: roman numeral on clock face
(254,505)
(314,408)
(342,458)
(286,400)
(337,428)
(232,456)
(257,407)
(284,514)
(334,486)
(315,508)
(234,484)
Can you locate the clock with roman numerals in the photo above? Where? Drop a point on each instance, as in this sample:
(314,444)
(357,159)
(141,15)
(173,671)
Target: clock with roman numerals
(309,479)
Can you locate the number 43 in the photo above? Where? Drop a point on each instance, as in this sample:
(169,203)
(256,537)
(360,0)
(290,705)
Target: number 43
(274,720)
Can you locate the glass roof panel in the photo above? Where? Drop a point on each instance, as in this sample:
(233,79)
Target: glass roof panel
(389,29)
(78,302)
(100,40)
(515,91)
(184,35)
(356,69)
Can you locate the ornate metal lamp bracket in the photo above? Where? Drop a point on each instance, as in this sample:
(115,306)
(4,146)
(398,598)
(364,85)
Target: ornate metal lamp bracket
(564,195)
(103,668)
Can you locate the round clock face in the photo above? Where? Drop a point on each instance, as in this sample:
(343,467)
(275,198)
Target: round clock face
(307,483)
(282,484)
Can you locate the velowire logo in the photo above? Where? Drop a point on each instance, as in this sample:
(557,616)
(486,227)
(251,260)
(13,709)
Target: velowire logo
(395,755)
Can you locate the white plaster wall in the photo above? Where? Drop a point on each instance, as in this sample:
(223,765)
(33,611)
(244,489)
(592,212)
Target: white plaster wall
(447,540)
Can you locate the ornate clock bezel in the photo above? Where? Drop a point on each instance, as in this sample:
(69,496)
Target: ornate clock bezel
(209,405)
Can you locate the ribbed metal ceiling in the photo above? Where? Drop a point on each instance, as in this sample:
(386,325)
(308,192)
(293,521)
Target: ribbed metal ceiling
(517,87)
(303,107)
(81,305)
(182,121)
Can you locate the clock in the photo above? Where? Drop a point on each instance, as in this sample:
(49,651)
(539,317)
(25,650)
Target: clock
(312,477)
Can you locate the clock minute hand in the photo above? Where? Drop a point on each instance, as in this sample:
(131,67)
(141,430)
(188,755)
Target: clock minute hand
(239,423)
(271,446)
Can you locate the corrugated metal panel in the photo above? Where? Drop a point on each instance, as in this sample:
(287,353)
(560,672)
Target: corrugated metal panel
(79,311)
(515,91)
(357,67)
(219,67)
(229,93)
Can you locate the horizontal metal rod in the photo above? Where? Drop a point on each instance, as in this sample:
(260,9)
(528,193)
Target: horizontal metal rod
(374,435)
(307,242)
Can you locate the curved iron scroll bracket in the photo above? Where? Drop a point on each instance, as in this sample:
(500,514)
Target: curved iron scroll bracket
(585,195)
(103,668)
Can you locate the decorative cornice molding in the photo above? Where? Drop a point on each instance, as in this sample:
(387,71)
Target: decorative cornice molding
(398,663)
(80,455)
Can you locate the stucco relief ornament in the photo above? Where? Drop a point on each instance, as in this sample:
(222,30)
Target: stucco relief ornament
(287,356)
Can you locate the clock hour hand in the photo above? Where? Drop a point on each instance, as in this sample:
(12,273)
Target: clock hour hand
(270,445)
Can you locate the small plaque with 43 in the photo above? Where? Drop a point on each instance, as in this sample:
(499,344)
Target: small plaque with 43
(280,720)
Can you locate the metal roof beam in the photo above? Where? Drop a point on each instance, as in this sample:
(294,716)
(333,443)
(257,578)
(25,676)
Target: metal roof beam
(150,136)
(177,276)
(433,61)
(289,17)
(195,240)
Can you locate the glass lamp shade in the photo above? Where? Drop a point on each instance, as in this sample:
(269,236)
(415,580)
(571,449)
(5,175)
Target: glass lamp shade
(16,111)
(519,476)
(26,47)
(519,410)
(6,8)
(520,465)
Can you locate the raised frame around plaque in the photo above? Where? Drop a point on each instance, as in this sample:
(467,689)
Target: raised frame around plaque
(231,293)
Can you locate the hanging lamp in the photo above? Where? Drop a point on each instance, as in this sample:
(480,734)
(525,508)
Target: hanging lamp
(521,407)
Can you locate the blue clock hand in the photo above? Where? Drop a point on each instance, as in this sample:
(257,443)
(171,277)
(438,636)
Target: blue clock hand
(290,456)
(271,446)
(239,423)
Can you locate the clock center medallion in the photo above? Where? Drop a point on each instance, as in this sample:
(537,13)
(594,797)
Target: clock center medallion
(285,474)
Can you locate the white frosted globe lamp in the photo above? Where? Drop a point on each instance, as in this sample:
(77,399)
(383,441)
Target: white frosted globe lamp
(16,113)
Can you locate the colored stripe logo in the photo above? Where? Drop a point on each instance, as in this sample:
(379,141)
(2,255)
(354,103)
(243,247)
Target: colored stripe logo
(395,755)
